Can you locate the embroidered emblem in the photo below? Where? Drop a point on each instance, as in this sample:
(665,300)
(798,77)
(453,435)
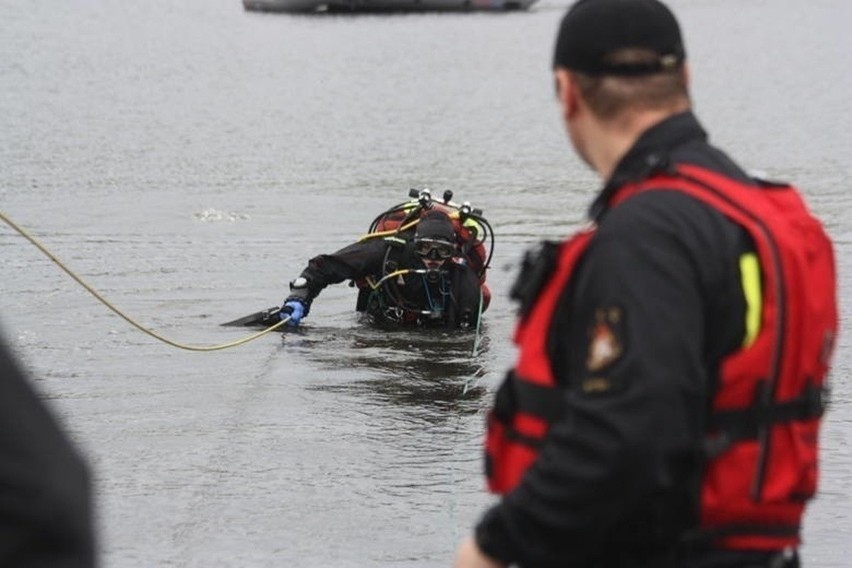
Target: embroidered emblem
(596,384)
(605,343)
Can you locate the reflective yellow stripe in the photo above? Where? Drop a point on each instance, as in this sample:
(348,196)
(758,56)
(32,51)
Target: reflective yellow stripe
(750,273)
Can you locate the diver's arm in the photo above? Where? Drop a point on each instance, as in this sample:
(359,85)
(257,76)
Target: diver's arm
(353,262)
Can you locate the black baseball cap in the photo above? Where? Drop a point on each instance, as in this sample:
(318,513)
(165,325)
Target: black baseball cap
(594,29)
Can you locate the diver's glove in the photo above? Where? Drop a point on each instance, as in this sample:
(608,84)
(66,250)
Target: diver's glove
(293,308)
(297,305)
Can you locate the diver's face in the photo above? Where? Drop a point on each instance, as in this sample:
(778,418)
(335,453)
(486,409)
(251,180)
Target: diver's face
(434,249)
(432,264)
(433,252)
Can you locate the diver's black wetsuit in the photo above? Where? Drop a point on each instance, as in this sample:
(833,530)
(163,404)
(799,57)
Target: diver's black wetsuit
(447,297)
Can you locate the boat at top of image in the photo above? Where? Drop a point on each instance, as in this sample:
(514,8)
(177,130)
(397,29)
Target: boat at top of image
(307,6)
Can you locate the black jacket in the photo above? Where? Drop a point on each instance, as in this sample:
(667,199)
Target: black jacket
(448,297)
(46,514)
(616,482)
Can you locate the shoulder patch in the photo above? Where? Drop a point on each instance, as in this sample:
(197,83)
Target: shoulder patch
(606,342)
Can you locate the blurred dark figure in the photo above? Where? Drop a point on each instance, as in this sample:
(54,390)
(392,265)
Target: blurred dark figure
(46,514)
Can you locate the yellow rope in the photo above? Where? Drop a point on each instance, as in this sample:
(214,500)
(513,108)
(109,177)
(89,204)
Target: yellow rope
(126,318)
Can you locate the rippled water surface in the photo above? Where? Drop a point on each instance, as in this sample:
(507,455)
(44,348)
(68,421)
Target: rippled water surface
(186,159)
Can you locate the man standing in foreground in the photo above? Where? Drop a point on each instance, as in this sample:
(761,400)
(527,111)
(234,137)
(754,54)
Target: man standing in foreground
(665,406)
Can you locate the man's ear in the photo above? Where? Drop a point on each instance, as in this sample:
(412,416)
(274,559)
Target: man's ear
(566,92)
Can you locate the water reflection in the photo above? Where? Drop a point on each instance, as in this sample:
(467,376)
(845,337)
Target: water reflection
(434,372)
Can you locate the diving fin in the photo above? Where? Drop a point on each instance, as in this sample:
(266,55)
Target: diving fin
(265,318)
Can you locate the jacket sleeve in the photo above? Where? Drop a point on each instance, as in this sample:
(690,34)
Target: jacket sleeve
(45,501)
(353,262)
(630,341)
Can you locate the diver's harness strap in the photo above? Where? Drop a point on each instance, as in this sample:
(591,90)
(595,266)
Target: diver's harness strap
(385,297)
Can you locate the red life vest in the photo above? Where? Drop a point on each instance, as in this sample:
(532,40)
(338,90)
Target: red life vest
(762,442)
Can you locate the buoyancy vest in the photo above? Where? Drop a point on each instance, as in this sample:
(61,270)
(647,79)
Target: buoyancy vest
(761,447)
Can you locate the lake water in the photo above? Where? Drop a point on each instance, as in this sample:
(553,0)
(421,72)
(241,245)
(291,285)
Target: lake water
(187,158)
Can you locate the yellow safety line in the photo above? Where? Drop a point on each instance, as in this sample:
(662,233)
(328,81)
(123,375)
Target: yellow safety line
(125,317)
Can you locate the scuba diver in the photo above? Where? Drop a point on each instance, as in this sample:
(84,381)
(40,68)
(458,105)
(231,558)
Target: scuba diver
(422,263)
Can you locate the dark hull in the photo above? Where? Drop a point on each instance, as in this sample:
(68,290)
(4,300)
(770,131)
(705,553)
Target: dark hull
(307,6)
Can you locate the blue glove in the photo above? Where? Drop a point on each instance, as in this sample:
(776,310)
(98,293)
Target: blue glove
(294,309)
